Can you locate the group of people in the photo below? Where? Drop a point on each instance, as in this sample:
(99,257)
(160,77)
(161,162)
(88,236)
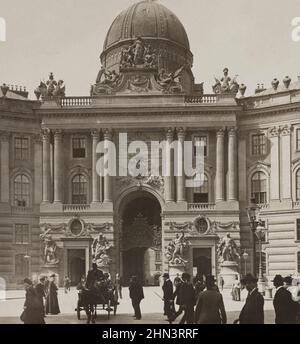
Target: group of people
(202,303)
(40,300)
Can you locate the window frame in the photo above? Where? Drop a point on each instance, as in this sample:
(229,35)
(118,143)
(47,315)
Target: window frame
(73,195)
(15,155)
(260,192)
(204,135)
(79,138)
(297,184)
(21,186)
(27,261)
(201,193)
(16,242)
(297,230)
(297,139)
(264,144)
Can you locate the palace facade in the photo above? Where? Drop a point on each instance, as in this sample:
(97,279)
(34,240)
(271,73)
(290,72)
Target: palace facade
(53,204)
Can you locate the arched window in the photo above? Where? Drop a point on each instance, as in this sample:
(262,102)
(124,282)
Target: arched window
(79,189)
(298,185)
(259,188)
(21,266)
(21,191)
(201,193)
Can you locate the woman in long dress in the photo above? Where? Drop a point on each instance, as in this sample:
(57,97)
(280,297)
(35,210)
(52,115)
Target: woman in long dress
(52,306)
(33,310)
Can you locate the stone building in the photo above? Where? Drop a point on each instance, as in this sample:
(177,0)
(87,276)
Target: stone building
(54,205)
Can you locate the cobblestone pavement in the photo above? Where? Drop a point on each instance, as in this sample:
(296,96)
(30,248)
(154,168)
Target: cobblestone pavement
(151,308)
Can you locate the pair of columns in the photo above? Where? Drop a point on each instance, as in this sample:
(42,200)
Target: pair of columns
(232,175)
(220,167)
(58,170)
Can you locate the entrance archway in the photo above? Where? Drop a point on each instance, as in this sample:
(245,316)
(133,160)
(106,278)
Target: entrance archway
(141,237)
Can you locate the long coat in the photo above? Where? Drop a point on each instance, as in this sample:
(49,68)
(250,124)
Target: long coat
(285,307)
(210,308)
(168,290)
(136,292)
(52,306)
(253,310)
(33,311)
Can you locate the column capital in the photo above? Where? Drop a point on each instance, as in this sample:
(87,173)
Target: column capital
(37,138)
(107,133)
(4,135)
(45,134)
(232,131)
(181,133)
(286,130)
(221,132)
(170,134)
(58,133)
(95,133)
(274,132)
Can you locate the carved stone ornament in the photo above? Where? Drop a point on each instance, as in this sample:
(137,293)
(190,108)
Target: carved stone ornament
(228,250)
(286,130)
(101,251)
(226,85)
(51,89)
(274,132)
(176,251)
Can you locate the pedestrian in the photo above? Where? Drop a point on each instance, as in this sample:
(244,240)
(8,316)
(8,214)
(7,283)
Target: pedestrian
(33,310)
(52,306)
(66,284)
(118,283)
(199,286)
(221,283)
(285,307)
(40,290)
(177,280)
(253,310)
(167,288)
(236,290)
(177,295)
(136,294)
(210,305)
(188,299)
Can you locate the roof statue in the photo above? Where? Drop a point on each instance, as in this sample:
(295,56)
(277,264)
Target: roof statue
(50,89)
(226,85)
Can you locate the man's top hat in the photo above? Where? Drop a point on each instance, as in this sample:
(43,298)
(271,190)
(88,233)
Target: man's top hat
(278,279)
(27,281)
(210,279)
(166,275)
(249,278)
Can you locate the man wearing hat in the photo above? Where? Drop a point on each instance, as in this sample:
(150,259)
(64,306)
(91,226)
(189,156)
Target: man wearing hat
(168,296)
(52,306)
(210,306)
(188,299)
(253,310)
(285,307)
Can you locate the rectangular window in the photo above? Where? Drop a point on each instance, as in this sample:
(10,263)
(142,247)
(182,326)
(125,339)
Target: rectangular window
(298,229)
(201,193)
(259,144)
(157,256)
(22,234)
(203,140)
(79,148)
(157,267)
(21,146)
(298,140)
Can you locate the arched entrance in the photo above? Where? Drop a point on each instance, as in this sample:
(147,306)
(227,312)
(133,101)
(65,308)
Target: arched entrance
(141,251)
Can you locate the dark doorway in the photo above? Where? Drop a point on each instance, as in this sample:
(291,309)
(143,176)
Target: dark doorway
(202,261)
(76,265)
(133,263)
(141,233)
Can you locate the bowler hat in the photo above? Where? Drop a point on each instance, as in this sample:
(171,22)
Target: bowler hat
(288,280)
(210,279)
(278,279)
(166,275)
(27,281)
(249,278)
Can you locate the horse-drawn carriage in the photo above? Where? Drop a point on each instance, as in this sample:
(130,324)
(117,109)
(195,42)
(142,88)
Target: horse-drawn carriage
(102,296)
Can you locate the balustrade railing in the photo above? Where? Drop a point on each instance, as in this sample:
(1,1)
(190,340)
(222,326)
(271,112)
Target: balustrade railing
(75,101)
(205,99)
(76,207)
(201,206)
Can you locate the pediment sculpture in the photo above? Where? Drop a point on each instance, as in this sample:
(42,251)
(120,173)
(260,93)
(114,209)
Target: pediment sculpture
(226,85)
(50,89)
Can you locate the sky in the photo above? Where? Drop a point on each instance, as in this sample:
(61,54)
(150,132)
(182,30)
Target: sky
(253,38)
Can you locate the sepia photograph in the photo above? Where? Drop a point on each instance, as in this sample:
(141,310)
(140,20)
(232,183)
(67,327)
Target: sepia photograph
(149,164)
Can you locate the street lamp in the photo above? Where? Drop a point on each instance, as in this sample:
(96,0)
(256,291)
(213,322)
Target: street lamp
(245,256)
(260,233)
(253,212)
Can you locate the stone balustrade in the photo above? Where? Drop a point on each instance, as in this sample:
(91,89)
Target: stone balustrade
(201,206)
(70,208)
(75,102)
(205,99)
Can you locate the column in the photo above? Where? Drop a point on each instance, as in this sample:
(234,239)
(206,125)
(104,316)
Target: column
(107,179)
(220,196)
(58,168)
(286,178)
(95,176)
(274,180)
(180,179)
(46,166)
(232,165)
(242,167)
(169,164)
(4,166)
(38,169)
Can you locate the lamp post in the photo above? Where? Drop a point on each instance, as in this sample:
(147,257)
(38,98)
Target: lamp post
(253,212)
(260,233)
(245,257)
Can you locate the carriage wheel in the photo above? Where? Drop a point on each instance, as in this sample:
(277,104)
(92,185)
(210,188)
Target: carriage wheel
(108,309)
(78,311)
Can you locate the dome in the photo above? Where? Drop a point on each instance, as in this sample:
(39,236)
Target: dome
(156,25)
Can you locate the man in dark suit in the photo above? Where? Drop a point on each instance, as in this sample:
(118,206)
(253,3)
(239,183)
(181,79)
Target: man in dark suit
(253,310)
(285,307)
(168,296)
(40,290)
(188,299)
(93,276)
(136,294)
